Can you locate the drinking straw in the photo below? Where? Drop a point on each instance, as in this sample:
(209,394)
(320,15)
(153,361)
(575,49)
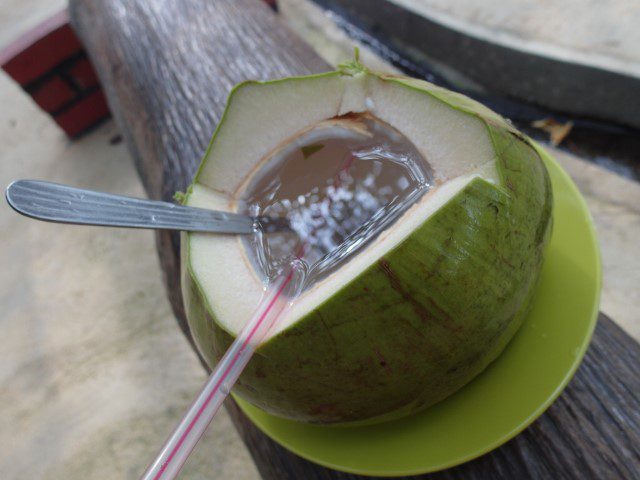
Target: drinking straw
(179,445)
(184,438)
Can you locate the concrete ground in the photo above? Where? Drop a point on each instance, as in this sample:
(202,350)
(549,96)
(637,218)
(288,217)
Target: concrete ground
(94,372)
(18,16)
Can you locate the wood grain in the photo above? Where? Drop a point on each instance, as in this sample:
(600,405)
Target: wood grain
(167,67)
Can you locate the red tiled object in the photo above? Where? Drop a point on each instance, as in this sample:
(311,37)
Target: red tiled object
(40,49)
(273,4)
(49,63)
(53,94)
(83,74)
(84,114)
(27,39)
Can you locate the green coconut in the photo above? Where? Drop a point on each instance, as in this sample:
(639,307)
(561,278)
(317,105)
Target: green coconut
(415,315)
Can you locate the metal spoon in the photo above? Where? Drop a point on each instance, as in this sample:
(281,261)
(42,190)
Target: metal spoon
(60,203)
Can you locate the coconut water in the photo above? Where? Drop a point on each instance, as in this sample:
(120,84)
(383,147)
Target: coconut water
(339,185)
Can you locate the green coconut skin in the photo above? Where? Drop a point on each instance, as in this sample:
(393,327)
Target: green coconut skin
(423,320)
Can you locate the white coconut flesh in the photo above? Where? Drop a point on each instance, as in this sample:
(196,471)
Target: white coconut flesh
(263,120)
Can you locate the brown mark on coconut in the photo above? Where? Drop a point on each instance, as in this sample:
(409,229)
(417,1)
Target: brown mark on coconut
(329,334)
(425,315)
(382,361)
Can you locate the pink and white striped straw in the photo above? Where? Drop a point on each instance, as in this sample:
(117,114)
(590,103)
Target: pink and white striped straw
(184,438)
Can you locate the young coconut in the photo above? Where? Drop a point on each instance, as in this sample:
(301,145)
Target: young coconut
(417,313)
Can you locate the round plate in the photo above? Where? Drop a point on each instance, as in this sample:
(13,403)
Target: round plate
(502,401)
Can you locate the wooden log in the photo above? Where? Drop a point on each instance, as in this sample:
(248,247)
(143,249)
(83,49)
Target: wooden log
(167,67)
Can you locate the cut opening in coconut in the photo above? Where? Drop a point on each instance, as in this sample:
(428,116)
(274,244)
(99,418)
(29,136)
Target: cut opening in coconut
(355,163)
(339,184)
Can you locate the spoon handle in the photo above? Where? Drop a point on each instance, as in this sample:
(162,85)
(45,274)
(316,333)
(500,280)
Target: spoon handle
(60,203)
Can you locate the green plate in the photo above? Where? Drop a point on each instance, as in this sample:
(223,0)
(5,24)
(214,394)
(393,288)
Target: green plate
(507,396)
